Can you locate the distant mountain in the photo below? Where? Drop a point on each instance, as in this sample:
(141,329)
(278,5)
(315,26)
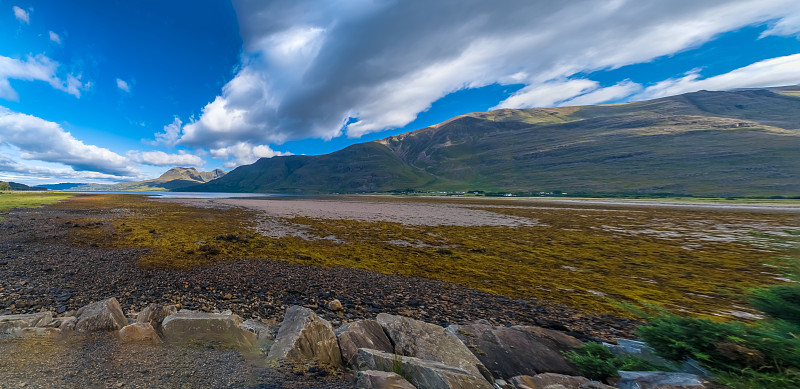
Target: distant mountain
(173,178)
(20,187)
(63,185)
(738,143)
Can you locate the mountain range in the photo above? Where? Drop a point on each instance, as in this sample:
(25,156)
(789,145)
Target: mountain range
(176,177)
(735,143)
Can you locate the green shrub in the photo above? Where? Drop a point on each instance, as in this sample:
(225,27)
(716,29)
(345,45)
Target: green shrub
(780,301)
(597,362)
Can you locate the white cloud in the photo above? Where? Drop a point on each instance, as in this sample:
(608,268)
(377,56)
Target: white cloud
(771,72)
(42,140)
(35,68)
(171,134)
(12,170)
(160,158)
(308,67)
(55,38)
(244,153)
(122,85)
(21,15)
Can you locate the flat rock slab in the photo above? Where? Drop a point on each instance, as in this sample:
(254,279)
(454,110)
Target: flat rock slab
(422,340)
(361,334)
(103,315)
(139,332)
(304,336)
(659,380)
(520,350)
(423,374)
(548,380)
(12,322)
(375,379)
(200,328)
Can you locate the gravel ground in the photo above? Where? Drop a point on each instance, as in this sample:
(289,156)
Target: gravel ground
(43,271)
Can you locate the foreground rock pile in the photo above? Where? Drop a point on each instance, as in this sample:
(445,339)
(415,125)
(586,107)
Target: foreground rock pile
(389,352)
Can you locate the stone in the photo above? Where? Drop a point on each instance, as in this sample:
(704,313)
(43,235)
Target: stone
(154,314)
(68,324)
(423,374)
(200,328)
(103,315)
(414,338)
(139,332)
(304,336)
(11,322)
(34,332)
(659,379)
(637,348)
(335,305)
(361,334)
(550,380)
(375,379)
(519,350)
(265,333)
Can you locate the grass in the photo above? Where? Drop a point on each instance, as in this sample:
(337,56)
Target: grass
(572,258)
(13,199)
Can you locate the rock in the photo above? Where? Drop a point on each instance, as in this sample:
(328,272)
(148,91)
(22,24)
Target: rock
(68,324)
(265,333)
(34,332)
(520,350)
(422,340)
(154,314)
(335,305)
(11,322)
(423,374)
(189,327)
(103,315)
(375,379)
(139,332)
(636,348)
(658,379)
(304,336)
(361,334)
(550,380)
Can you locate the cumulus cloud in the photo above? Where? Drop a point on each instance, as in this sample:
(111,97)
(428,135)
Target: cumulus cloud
(171,134)
(11,170)
(244,153)
(309,69)
(55,38)
(123,85)
(22,15)
(35,68)
(42,140)
(160,158)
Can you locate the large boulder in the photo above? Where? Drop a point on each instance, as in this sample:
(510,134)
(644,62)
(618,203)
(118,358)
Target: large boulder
(520,350)
(154,314)
(361,334)
(304,336)
(103,315)
(13,322)
(548,380)
(139,332)
(422,340)
(659,380)
(265,333)
(189,327)
(423,374)
(375,379)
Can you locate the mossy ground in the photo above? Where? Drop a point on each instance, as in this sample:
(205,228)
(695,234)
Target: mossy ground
(15,199)
(573,257)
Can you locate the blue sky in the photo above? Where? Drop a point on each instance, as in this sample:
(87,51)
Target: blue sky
(109,91)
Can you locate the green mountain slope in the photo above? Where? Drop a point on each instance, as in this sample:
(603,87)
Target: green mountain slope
(739,143)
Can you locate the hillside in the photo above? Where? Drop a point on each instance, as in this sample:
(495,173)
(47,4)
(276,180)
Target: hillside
(738,143)
(8,185)
(173,178)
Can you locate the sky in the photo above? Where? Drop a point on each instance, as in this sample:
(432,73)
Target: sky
(108,91)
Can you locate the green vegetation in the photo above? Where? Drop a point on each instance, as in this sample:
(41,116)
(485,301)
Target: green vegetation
(569,256)
(9,200)
(4,186)
(747,143)
(597,362)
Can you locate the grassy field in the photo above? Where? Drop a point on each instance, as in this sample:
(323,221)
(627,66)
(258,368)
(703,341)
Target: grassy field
(700,262)
(9,200)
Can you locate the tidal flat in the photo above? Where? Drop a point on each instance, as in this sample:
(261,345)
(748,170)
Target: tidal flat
(588,255)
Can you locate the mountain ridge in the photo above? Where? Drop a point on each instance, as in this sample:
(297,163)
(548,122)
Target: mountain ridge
(173,178)
(734,143)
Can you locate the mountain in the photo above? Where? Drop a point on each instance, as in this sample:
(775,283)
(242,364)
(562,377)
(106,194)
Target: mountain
(19,187)
(171,179)
(63,185)
(736,143)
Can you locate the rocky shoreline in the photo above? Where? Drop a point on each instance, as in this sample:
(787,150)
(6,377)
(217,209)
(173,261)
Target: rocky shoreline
(391,351)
